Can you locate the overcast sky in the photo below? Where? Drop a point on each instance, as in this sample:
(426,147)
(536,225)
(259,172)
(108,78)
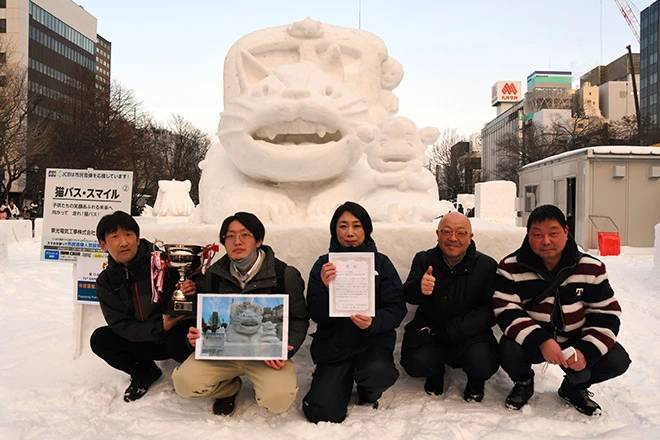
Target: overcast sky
(170,53)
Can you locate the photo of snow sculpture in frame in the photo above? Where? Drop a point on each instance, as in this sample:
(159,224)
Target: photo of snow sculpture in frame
(301,105)
(241,326)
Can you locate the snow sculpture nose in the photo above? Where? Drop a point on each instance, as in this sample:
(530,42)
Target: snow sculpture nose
(296,94)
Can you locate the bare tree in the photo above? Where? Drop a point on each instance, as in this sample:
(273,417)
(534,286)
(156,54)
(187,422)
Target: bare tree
(579,132)
(183,151)
(625,131)
(441,164)
(92,126)
(22,136)
(538,142)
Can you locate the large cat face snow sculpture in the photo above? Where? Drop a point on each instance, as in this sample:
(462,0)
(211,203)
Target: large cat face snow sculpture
(296,124)
(246,318)
(299,101)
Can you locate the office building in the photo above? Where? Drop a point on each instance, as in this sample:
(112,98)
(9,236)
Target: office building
(56,42)
(649,68)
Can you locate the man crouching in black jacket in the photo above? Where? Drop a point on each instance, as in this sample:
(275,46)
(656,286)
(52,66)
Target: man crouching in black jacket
(138,331)
(453,286)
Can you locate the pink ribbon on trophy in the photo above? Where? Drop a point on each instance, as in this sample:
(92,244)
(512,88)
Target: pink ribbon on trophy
(207,255)
(157,276)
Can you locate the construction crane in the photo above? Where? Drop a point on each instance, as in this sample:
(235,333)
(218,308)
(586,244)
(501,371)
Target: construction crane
(630,15)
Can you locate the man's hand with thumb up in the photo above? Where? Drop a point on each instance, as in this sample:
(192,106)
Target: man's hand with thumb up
(428,281)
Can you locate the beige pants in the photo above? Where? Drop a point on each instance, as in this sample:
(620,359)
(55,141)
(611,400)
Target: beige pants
(275,390)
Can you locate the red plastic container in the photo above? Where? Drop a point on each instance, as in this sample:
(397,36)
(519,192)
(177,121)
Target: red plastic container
(609,243)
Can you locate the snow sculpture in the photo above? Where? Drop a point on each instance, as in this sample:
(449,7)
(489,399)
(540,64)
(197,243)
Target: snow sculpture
(301,104)
(245,324)
(173,199)
(396,157)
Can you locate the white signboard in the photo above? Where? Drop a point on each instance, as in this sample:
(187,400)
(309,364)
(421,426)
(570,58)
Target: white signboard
(74,202)
(506,91)
(87,271)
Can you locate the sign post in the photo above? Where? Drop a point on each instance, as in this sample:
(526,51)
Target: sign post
(74,202)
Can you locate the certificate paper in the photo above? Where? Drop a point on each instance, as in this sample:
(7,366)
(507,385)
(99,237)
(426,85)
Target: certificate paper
(353,291)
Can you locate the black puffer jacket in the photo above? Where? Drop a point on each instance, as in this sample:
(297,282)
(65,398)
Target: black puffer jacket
(337,339)
(218,279)
(124,293)
(459,309)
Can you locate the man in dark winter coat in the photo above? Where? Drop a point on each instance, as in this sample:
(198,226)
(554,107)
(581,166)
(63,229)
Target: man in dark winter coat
(138,331)
(452,284)
(249,266)
(555,304)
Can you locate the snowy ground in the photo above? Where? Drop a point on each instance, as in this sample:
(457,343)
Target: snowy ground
(45,394)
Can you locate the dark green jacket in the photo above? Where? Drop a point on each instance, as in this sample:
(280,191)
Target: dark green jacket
(218,279)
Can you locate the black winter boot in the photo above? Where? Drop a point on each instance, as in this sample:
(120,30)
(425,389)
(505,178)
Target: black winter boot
(474,390)
(520,394)
(140,384)
(225,405)
(434,385)
(580,398)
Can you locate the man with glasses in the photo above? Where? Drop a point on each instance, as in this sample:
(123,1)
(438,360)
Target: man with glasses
(452,285)
(249,266)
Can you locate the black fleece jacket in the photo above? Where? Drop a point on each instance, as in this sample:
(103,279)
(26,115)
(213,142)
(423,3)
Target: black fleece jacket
(338,339)
(124,293)
(459,309)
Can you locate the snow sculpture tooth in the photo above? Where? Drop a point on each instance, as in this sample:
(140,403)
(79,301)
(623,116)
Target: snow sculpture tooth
(271,133)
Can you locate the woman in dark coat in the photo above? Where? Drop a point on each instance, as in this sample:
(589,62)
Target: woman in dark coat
(358,349)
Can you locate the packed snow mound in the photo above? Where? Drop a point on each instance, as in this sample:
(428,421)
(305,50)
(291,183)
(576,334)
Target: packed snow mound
(495,201)
(46,394)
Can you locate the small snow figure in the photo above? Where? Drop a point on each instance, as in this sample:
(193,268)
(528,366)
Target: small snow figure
(397,158)
(173,199)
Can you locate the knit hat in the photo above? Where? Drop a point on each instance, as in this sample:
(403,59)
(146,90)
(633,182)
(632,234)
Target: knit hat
(247,219)
(359,212)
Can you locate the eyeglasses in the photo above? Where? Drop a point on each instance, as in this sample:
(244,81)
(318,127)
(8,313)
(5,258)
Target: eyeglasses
(243,236)
(461,234)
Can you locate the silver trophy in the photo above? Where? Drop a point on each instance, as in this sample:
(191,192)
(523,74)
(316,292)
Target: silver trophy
(182,257)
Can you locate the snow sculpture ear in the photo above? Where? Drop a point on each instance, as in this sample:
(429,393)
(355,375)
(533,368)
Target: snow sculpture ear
(331,62)
(250,70)
(428,135)
(366,133)
(391,73)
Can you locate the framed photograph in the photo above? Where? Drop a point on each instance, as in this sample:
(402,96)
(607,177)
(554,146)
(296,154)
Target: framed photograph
(353,290)
(239,326)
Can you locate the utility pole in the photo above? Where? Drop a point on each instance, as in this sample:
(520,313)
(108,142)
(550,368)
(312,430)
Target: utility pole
(634,84)
(360,14)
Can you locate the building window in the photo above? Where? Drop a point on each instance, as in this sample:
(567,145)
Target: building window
(531,197)
(3,58)
(3,4)
(3,25)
